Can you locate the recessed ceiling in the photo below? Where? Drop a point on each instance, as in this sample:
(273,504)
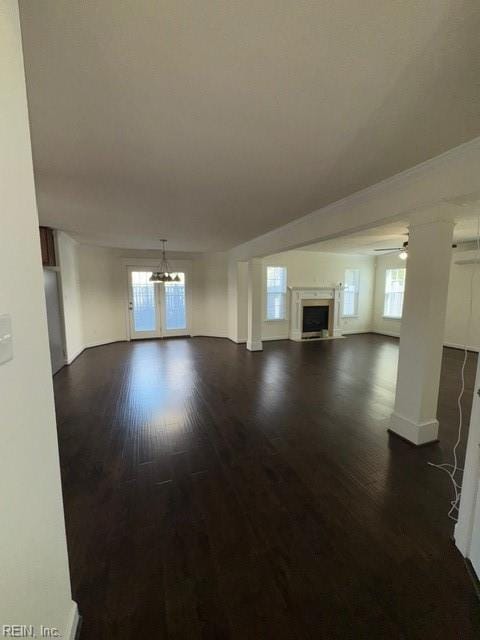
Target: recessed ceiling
(210,123)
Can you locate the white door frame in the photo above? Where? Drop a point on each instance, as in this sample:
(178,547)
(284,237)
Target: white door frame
(142,264)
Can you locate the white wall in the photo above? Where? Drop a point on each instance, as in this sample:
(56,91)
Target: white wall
(102,279)
(313,268)
(211,317)
(54,319)
(94,286)
(34,575)
(94,292)
(95,298)
(457,303)
(467,532)
(67,255)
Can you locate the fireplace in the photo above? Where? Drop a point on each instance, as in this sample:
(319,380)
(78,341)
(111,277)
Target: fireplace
(317,316)
(314,311)
(315,319)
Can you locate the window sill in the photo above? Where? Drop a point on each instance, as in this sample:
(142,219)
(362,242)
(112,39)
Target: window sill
(392,317)
(274,319)
(355,316)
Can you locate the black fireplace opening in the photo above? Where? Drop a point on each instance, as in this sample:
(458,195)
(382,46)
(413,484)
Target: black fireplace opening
(315,318)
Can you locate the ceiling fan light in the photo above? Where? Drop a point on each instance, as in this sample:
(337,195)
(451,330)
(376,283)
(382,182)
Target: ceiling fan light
(403,255)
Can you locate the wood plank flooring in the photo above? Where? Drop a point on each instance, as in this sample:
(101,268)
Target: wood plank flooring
(215,493)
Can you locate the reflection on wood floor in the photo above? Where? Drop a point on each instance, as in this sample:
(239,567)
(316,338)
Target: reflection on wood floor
(211,492)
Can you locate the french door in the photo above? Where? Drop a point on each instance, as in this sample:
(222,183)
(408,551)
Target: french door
(156,310)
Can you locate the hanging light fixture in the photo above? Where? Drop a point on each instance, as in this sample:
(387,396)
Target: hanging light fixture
(164,274)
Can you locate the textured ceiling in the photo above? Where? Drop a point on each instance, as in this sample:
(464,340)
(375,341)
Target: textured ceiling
(209,123)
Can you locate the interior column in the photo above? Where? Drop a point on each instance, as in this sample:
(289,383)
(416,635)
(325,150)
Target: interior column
(422,331)
(254,320)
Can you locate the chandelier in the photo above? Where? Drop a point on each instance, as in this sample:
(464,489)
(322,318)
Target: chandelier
(164,274)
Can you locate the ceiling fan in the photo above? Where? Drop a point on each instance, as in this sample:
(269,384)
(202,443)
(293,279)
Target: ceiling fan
(403,255)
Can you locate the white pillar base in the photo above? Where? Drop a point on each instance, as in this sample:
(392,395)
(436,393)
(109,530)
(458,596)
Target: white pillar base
(255,345)
(73,623)
(417,433)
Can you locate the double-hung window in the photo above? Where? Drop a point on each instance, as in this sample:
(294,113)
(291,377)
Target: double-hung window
(351,292)
(394,290)
(276,289)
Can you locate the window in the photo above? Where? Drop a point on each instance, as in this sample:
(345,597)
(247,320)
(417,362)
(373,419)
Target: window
(394,289)
(276,293)
(350,292)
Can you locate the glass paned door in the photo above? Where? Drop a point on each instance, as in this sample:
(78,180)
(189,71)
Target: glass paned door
(143,305)
(156,309)
(175,307)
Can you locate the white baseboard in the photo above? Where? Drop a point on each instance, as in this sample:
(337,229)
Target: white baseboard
(74,619)
(209,334)
(355,332)
(391,334)
(89,345)
(74,356)
(244,340)
(451,345)
(102,342)
(462,536)
(417,433)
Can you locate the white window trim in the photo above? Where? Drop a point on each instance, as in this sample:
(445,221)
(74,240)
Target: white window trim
(265,294)
(357,313)
(390,317)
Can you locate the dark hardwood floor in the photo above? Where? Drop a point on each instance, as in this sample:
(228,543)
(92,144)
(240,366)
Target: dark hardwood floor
(215,493)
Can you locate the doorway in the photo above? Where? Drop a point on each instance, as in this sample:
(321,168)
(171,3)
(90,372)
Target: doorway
(156,309)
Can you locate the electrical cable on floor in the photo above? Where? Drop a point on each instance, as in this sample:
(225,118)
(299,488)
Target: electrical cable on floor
(457,487)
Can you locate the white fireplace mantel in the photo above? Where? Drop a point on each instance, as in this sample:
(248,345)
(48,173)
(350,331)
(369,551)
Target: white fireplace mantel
(322,292)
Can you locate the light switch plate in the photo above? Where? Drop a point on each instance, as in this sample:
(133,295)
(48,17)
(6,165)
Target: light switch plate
(6,340)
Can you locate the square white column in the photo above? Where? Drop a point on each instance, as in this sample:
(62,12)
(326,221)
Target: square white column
(255,291)
(422,330)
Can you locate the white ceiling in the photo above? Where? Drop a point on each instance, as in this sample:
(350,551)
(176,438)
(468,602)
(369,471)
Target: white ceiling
(210,122)
(367,242)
